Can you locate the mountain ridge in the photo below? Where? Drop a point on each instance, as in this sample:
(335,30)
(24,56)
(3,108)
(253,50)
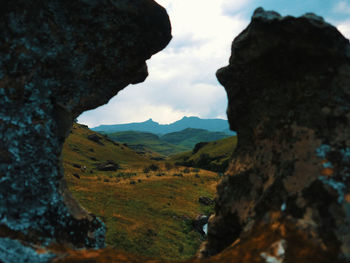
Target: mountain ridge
(168,143)
(215,125)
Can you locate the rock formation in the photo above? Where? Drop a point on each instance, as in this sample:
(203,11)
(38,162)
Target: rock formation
(58,59)
(286,194)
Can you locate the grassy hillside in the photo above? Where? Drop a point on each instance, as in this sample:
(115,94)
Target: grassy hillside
(79,150)
(190,137)
(143,141)
(147,206)
(213,156)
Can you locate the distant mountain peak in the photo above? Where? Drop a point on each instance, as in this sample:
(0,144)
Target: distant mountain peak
(194,122)
(150,121)
(189,117)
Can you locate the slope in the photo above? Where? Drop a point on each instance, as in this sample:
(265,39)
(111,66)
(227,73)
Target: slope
(144,141)
(148,206)
(81,151)
(190,137)
(212,156)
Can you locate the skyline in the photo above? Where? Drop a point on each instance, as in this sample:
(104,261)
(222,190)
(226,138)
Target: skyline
(181,79)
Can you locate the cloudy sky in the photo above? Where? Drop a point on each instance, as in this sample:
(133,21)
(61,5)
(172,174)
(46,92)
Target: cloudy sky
(181,78)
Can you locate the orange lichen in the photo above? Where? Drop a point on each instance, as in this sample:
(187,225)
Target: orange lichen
(327,172)
(347,198)
(299,247)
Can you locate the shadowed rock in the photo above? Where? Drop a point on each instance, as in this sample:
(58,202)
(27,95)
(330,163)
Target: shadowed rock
(288,86)
(108,166)
(286,194)
(58,59)
(95,138)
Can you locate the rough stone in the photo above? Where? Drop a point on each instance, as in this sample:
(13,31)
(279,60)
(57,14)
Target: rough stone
(205,200)
(95,138)
(58,59)
(290,173)
(285,196)
(108,166)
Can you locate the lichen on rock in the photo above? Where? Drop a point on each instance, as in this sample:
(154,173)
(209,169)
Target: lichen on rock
(58,59)
(288,85)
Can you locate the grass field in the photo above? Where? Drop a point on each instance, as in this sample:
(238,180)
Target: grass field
(147,211)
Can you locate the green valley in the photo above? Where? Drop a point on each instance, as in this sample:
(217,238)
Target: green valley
(148,206)
(212,156)
(166,144)
(146,142)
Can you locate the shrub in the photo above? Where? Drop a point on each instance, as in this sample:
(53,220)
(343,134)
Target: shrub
(186,170)
(204,160)
(126,175)
(169,166)
(153,167)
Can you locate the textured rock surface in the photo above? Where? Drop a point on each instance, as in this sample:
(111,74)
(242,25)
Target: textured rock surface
(288,186)
(285,197)
(57,59)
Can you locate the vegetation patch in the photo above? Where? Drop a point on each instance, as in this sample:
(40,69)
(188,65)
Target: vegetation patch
(213,156)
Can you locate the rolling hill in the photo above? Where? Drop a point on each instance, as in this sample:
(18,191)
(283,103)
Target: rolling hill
(166,144)
(190,137)
(215,125)
(148,206)
(89,149)
(212,156)
(145,141)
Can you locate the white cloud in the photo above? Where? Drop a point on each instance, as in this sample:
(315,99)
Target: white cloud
(344,28)
(230,7)
(342,7)
(125,112)
(182,77)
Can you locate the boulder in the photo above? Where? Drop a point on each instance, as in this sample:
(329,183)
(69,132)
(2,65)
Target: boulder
(58,59)
(288,185)
(205,200)
(108,166)
(95,138)
(198,146)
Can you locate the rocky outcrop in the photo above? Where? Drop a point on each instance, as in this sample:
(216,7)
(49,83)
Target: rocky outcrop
(95,138)
(108,166)
(58,59)
(286,194)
